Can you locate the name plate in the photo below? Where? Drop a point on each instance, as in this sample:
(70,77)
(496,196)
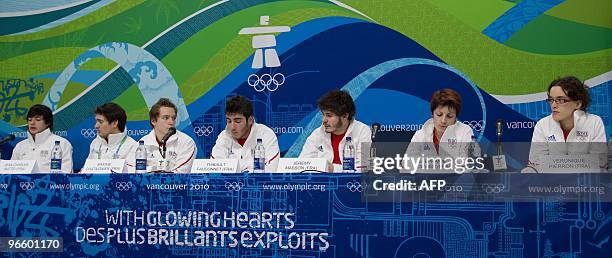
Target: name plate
(104,166)
(499,163)
(214,166)
(17,166)
(297,165)
(570,163)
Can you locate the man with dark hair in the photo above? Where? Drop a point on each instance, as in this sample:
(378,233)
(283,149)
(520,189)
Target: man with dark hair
(112,141)
(327,141)
(240,137)
(180,148)
(40,142)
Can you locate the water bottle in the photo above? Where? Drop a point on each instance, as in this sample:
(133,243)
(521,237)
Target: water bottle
(259,158)
(56,158)
(348,156)
(141,158)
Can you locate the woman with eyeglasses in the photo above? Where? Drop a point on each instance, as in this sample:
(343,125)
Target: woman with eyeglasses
(568,123)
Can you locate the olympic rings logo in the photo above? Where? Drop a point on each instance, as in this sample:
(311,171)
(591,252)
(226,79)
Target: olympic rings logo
(476,125)
(89,132)
(234,186)
(355,187)
(266,81)
(26,185)
(493,188)
(123,186)
(203,130)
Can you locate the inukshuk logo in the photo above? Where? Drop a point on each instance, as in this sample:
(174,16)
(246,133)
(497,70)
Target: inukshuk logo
(264,43)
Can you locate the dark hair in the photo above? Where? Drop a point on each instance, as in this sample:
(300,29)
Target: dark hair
(338,102)
(44,111)
(239,105)
(113,112)
(163,102)
(445,98)
(574,89)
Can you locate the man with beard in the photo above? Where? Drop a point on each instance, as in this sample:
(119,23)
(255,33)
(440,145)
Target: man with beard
(328,141)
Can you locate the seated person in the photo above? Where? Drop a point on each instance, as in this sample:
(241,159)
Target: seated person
(112,141)
(442,135)
(40,142)
(568,123)
(327,141)
(240,136)
(180,148)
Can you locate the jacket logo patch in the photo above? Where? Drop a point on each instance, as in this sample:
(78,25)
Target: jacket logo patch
(582,135)
(452,142)
(173,154)
(320,148)
(551,138)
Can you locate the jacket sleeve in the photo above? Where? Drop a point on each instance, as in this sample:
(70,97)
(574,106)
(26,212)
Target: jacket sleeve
(539,145)
(309,150)
(91,150)
(465,139)
(186,155)
(272,151)
(16,151)
(415,145)
(219,151)
(66,156)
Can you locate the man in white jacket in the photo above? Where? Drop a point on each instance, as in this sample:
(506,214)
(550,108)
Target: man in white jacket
(240,136)
(569,129)
(328,141)
(41,140)
(180,148)
(112,142)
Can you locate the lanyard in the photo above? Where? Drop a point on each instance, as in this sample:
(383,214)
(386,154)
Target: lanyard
(116,155)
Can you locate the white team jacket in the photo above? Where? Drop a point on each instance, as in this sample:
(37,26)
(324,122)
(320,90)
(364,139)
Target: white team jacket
(318,144)
(40,150)
(180,152)
(453,143)
(119,146)
(548,138)
(228,148)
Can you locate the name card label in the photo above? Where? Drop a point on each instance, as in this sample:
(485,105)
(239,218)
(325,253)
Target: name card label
(499,162)
(297,165)
(17,166)
(104,166)
(214,166)
(570,163)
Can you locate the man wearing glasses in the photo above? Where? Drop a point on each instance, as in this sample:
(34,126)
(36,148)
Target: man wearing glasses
(569,123)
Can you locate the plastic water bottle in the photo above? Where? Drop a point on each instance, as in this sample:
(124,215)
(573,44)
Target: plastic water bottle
(259,158)
(56,158)
(348,156)
(141,158)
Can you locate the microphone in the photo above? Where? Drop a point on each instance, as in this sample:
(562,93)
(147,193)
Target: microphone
(7,138)
(375,128)
(500,128)
(171,131)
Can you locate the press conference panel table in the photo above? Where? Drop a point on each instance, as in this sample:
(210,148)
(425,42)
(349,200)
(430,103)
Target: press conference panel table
(308,214)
